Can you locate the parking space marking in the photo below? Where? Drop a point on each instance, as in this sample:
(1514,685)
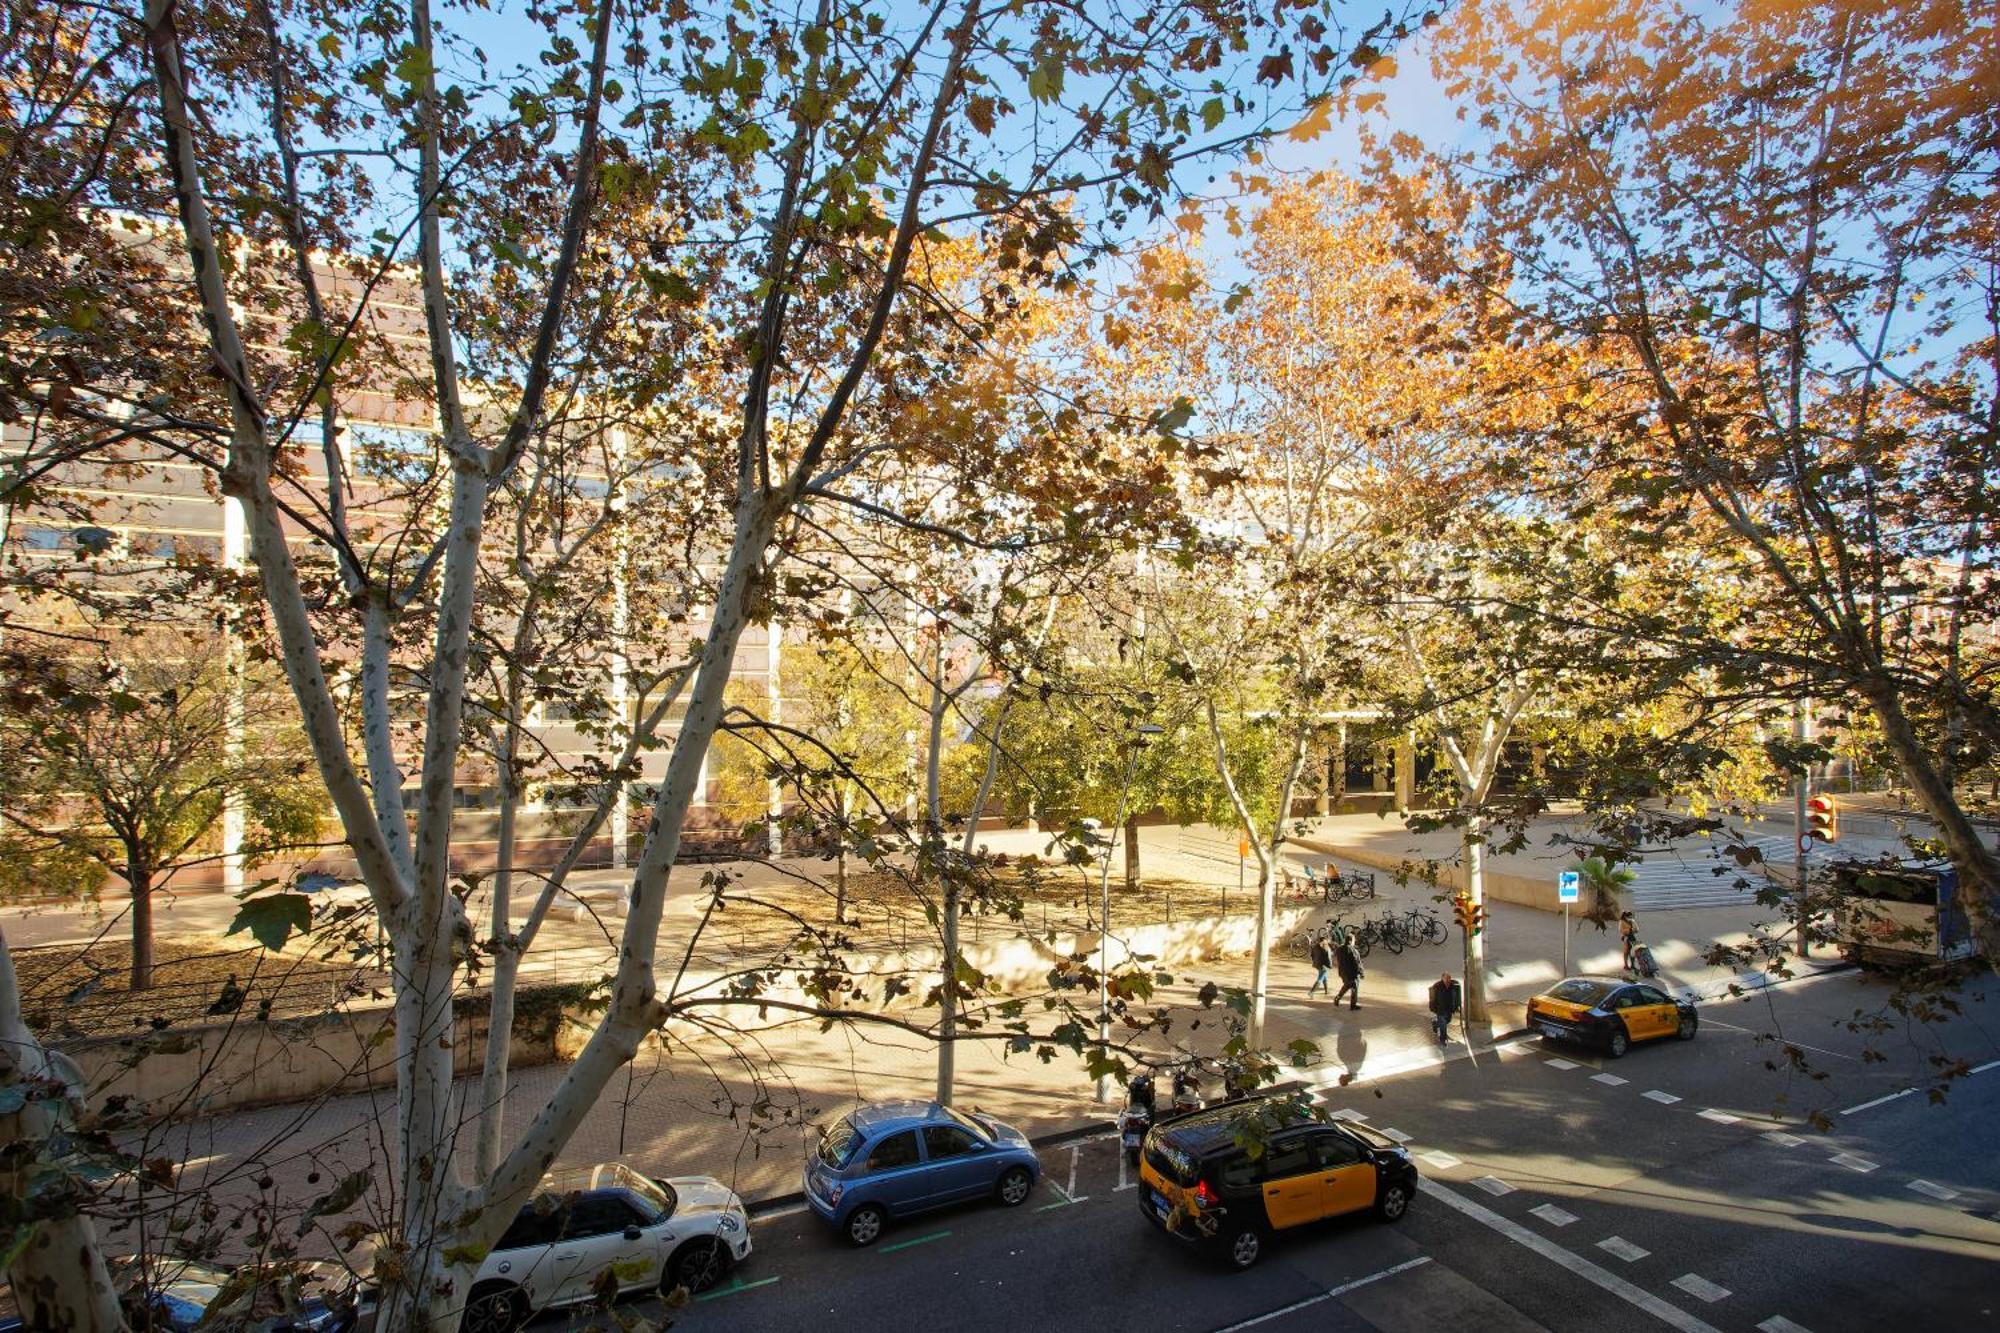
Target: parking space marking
(1699,1287)
(1852,1163)
(1609,1080)
(914,1240)
(1071,1193)
(1938,1192)
(1441,1160)
(1561,1064)
(1332,1294)
(1623,1248)
(1553,1215)
(1777,1323)
(787,1211)
(1663,1098)
(1124,1162)
(1667,1313)
(1719,1117)
(1494,1185)
(738,1285)
(1782,1139)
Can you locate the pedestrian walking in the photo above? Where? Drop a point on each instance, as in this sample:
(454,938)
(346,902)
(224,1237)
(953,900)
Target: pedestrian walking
(1349,963)
(1321,960)
(1445,1000)
(1628,936)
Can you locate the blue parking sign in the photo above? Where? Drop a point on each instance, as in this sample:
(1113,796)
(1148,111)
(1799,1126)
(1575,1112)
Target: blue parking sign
(1569,885)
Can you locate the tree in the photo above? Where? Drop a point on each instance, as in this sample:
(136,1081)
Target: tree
(836,142)
(124,761)
(1774,240)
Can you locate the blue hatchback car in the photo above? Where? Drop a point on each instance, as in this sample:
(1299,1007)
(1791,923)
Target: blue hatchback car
(891,1159)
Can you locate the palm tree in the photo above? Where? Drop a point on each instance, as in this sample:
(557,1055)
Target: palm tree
(1604,887)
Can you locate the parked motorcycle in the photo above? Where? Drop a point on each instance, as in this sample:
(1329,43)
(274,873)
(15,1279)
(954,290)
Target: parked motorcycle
(1137,1117)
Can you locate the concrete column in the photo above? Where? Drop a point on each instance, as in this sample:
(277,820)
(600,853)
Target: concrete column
(621,635)
(235,551)
(774,688)
(1406,771)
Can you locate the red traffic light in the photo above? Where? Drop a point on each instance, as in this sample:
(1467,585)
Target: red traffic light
(1822,819)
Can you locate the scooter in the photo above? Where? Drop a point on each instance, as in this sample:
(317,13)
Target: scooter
(1137,1117)
(1187,1090)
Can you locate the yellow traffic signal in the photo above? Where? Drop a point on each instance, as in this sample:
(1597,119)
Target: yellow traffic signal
(1461,909)
(1822,820)
(1478,917)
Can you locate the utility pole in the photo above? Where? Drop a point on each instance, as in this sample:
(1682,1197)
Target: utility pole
(1132,746)
(1802,730)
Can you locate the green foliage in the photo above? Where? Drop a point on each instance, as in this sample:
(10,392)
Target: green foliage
(272,918)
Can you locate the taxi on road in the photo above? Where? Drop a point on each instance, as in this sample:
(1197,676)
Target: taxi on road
(1202,1184)
(1610,1013)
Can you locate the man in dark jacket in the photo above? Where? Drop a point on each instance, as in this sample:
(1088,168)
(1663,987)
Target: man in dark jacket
(1445,1000)
(1349,963)
(1321,961)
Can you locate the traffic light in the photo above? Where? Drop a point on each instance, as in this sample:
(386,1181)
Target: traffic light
(1478,917)
(1461,909)
(1822,820)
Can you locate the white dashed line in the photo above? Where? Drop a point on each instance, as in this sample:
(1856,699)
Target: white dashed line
(1719,1117)
(1666,1312)
(1851,1162)
(1340,1290)
(787,1211)
(1560,1064)
(1777,1323)
(1553,1215)
(1609,1080)
(1349,1113)
(1879,1101)
(1623,1248)
(1124,1162)
(1782,1139)
(1938,1192)
(1398,1135)
(1700,1287)
(1663,1098)
(1494,1185)
(1442,1161)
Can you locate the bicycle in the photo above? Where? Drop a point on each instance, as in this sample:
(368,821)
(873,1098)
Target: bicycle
(1421,925)
(1354,886)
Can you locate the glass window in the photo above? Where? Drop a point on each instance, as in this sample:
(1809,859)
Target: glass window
(1238,1173)
(1647,995)
(942,1141)
(839,1145)
(1292,1158)
(598,1215)
(533,1226)
(1333,1149)
(894,1151)
(1578,991)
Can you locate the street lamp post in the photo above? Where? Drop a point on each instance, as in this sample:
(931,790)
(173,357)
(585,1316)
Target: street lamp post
(1104,905)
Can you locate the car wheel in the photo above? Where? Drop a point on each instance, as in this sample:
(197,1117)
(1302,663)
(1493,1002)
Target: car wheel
(1687,1028)
(1395,1201)
(494,1307)
(1618,1044)
(1245,1248)
(697,1265)
(1013,1186)
(864,1225)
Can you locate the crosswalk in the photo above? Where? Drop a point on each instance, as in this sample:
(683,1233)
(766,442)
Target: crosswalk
(1701,876)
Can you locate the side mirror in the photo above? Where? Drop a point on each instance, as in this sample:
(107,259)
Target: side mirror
(632,1233)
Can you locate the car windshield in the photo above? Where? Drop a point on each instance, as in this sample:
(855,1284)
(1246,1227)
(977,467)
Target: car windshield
(979,1131)
(656,1196)
(1579,991)
(838,1146)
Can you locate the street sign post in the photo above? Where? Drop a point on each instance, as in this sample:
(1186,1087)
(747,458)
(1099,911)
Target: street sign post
(1569,887)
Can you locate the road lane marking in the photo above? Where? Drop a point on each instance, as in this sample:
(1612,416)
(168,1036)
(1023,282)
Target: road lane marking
(1645,1300)
(1777,1323)
(738,1285)
(1494,1185)
(1333,1294)
(1349,1113)
(1623,1248)
(1442,1160)
(1553,1215)
(914,1240)
(1879,1101)
(1071,1193)
(1561,1064)
(1663,1098)
(1124,1161)
(1818,1050)
(1782,1139)
(1609,1080)
(1852,1163)
(1719,1117)
(1938,1192)
(1398,1135)
(787,1211)
(1694,1284)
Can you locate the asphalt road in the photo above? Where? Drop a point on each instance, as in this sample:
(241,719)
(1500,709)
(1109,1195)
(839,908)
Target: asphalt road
(1680,1187)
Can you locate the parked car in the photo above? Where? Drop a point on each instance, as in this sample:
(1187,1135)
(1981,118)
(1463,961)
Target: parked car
(891,1159)
(1200,1183)
(1610,1013)
(180,1295)
(683,1231)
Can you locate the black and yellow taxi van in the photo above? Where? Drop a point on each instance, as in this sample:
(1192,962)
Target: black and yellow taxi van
(1204,1181)
(1610,1013)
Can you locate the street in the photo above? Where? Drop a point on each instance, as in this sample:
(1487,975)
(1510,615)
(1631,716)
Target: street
(1562,1191)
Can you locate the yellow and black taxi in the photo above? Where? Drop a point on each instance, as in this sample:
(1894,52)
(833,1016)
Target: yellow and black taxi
(1201,1181)
(1610,1013)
